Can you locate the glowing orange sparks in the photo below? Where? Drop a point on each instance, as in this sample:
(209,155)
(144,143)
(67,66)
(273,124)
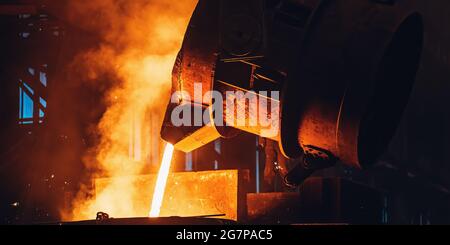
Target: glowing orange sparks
(160,187)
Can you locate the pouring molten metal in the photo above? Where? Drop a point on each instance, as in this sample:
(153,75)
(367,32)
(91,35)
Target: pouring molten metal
(160,187)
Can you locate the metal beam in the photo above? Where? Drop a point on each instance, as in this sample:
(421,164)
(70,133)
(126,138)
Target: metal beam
(10,9)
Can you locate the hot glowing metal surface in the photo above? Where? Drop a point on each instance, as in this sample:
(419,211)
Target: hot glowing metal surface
(187,194)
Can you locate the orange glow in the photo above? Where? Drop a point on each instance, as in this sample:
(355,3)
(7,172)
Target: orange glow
(187,194)
(137,47)
(161,181)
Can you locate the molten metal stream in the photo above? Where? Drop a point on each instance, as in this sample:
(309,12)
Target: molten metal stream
(158,194)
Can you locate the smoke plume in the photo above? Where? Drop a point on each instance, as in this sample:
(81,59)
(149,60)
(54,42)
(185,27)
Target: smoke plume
(140,41)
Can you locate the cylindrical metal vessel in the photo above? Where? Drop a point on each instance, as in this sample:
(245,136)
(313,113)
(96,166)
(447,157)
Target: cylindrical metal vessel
(344,69)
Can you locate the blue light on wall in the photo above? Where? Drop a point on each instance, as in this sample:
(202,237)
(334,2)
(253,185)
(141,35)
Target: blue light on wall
(43,78)
(27,105)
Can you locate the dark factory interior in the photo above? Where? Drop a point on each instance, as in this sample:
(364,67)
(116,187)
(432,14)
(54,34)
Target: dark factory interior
(84,87)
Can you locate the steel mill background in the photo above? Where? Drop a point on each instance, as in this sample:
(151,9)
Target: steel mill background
(83,92)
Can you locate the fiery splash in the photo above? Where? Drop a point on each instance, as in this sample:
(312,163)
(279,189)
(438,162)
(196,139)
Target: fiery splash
(140,41)
(161,181)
